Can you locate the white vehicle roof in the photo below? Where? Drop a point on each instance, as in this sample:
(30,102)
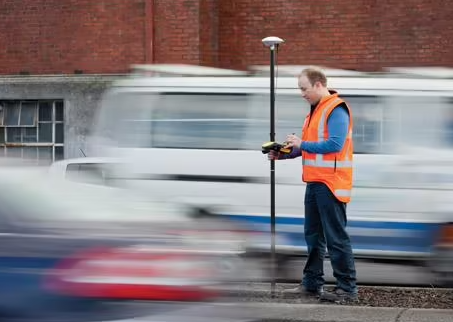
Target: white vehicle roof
(294,70)
(353,85)
(418,81)
(183,70)
(435,72)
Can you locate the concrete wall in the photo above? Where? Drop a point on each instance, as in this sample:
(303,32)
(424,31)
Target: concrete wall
(81,95)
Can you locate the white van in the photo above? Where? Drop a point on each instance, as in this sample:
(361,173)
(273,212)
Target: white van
(198,139)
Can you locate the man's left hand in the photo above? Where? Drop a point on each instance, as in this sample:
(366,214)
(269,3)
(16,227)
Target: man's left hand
(293,141)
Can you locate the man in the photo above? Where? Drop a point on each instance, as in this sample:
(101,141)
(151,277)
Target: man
(326,148)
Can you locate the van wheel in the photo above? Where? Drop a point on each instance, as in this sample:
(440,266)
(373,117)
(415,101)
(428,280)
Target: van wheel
(440,264)
(200,212)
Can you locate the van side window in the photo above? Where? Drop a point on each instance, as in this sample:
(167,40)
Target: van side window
(290,112)
(85,172)
(124,119)
(448,125)
(199,121)
(423,120)
(371,123)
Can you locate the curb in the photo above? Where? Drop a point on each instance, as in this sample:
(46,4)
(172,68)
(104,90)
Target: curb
(266,287)
(270,312)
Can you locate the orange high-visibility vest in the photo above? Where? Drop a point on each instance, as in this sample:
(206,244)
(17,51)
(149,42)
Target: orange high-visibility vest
(333,169)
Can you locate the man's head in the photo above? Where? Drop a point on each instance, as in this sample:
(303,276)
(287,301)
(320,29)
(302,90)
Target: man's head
(313,85)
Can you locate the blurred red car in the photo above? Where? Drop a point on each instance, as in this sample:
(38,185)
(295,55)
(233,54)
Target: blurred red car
(70,249)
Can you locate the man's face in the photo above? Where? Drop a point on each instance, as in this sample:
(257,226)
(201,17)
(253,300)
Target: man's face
(310,92)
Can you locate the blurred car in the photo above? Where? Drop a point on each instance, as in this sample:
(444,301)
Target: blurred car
(72,251)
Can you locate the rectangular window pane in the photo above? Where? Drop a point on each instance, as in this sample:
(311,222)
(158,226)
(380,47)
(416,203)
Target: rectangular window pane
(59,133)
(14,135)
(45,132)
(28,113)
(422,126)
(14,152)
(2,112)
(12,112)
(59,111)
(290,114)
(368,114)
(29,135)
(448,125)
(45,111)
(59,153)
(45,154)
(216,121)
(30,152)
(2,135)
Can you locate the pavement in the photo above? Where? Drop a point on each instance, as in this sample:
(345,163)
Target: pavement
(258,297)
(283,312)
(330,313)
(253,303)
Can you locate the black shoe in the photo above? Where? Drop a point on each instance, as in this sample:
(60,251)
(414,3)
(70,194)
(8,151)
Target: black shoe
(338,296)
(301,290)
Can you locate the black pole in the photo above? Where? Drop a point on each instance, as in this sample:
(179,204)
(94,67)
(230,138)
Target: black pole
(272,139)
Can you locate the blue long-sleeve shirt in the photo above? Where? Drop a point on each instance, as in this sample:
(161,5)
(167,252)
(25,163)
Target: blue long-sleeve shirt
(338,124)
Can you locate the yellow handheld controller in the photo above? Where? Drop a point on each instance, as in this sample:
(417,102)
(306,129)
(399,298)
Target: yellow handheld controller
(274,146)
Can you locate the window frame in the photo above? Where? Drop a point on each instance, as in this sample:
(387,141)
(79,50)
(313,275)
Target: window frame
(17,148)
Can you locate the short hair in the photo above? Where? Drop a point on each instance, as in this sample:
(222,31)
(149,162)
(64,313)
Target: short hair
(314,75)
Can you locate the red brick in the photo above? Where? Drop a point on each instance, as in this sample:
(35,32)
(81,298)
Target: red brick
(106,36)
(60,36)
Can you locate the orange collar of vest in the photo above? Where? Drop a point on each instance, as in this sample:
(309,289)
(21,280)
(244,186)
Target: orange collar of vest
(333,94)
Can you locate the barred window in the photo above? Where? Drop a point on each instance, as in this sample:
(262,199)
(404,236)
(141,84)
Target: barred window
(32,129)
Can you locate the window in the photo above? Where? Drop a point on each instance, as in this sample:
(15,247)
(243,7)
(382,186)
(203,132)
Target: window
(199,121)
(32,129)
(173,120)
(125,119)
(376,124)
(368,114)
(423,121)
(85,172)
(447,125)
(290,113)
(373,121)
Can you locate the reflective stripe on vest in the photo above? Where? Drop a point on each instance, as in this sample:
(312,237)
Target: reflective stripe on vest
(342,193)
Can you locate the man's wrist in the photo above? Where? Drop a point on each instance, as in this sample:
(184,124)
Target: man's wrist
(302,145)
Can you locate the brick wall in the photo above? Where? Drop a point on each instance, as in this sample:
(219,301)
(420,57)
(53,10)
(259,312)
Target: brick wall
(106,36)
(357,34)
(61,36)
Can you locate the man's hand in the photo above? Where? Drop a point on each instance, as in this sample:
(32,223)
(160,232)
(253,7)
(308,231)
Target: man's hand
(293,141)
(273,155)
